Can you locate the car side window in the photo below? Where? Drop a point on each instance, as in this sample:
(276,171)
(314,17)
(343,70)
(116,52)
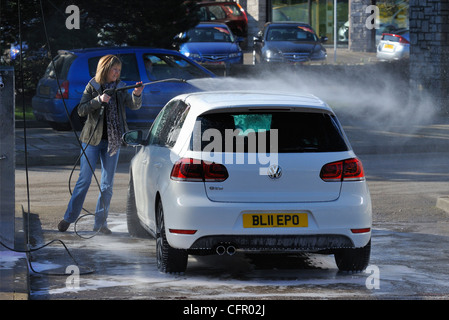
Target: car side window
(165,66)
(217,13)
(93,62)
(168,124)
(130,70)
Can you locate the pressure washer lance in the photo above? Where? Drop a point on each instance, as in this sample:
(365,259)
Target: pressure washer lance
(111,91)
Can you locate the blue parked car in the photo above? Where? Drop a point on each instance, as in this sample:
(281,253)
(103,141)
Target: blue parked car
(74,68)
(211,44)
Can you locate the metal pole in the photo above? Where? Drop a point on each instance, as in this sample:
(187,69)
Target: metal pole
(335,31)
(7,157)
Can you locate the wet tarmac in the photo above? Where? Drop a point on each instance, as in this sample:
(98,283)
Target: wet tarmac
(403,266)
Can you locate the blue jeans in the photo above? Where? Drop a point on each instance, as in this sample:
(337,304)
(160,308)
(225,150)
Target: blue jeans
(108,168)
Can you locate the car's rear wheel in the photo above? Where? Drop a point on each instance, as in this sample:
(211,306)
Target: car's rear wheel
(353,259)
(169,260)
(58,126)
(135,229)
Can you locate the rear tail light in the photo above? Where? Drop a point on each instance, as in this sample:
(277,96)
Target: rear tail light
(344,170)
(63,91)
(403,40)
(188,169)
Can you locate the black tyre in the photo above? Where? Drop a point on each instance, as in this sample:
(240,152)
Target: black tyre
(353,259)
(135,229)
(57,126)
(169,260)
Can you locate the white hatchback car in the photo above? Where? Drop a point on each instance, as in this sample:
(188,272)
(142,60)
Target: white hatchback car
(221,172)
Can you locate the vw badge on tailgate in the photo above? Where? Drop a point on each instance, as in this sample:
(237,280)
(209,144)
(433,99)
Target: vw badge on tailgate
(274,172)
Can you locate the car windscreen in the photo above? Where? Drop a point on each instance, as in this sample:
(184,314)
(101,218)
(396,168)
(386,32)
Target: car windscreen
(277,131)
(209,34)
(290,33)
(60,66)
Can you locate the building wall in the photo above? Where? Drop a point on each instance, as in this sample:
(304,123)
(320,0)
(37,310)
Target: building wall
(256,10)
(429,51)
(361,38)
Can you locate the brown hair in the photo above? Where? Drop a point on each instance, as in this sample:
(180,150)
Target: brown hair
(104,66)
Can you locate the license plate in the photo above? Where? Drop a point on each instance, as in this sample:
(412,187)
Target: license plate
(44,90)
(275,220)
(388,46)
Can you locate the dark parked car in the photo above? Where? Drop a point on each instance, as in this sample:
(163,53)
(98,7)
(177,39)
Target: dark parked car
(288,42)
(228,12)
(75,68)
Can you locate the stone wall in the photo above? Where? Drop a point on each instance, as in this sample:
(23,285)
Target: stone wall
(361,38)
(429,51)
(256,10)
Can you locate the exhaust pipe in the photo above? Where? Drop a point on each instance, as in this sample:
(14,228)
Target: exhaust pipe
(230,250)
(220,250)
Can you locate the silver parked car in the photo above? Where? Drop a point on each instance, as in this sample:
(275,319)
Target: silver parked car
(394,46)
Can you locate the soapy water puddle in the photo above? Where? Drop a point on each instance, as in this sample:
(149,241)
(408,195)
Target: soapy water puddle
(402,266)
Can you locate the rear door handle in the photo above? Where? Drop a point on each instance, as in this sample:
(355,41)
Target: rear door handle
(158,165)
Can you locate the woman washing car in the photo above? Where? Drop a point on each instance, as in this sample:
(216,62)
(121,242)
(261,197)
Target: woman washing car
(101,138)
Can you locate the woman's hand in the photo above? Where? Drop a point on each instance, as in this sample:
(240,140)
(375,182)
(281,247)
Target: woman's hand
(138,91)
(105,98)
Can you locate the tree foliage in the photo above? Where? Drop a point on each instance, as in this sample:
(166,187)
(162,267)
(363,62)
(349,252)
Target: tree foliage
(41,24)
(112,22)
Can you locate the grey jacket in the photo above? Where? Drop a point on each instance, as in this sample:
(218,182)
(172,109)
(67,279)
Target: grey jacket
(90,106)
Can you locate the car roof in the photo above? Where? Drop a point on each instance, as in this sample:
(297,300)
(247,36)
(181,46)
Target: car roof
(215,3)
(212,100)
(287,23)
(211,24)
(115,49)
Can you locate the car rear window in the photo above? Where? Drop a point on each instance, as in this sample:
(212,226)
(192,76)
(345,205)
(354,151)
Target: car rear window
(218,12)
(294,132)
(60,66)
(390,37)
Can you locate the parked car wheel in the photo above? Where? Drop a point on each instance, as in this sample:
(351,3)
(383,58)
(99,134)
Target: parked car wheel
(353,259)
(169,260)
(58,126)
(135,229)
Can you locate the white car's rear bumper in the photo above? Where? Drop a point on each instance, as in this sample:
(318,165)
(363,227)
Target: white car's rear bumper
(330,225)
